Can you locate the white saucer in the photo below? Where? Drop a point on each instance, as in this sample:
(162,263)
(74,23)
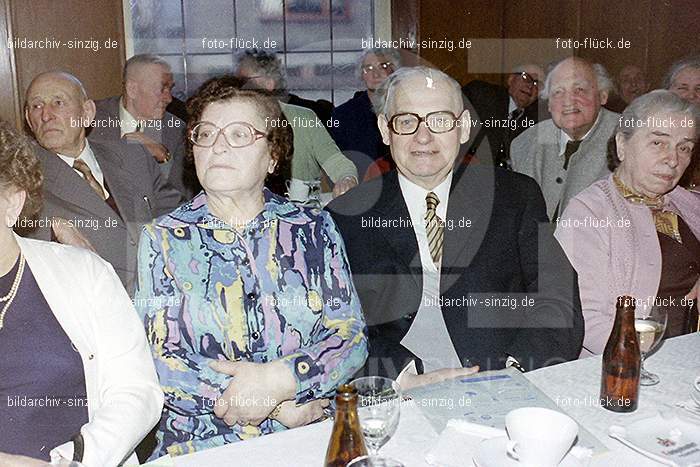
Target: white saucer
(492,453)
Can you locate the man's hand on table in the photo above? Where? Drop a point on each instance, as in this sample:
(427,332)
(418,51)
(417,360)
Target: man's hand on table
(9,460)
(292,415)
(343,185)
(254,391)
(409,380)
(159,152)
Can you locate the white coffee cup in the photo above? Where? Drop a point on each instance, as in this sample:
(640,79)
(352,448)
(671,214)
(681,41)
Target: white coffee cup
(539,437)
(298,190)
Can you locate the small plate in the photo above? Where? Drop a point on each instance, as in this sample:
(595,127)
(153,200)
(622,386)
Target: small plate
(492,453)
(666,440)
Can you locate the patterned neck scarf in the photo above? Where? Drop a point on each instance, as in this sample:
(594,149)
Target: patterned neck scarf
(666,221)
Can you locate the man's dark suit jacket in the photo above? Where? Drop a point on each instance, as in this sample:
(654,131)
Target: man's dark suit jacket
(170,134)
(139,191)
(491,103)
(507,252)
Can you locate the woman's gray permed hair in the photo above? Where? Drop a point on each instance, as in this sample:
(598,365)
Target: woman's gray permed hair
(680,65)
(603,80)
(636,114)
(388,87)
(264,62)
(390,54)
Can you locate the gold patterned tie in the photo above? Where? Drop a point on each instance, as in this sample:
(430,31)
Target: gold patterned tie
(83,168)
(666,221)
(434,228)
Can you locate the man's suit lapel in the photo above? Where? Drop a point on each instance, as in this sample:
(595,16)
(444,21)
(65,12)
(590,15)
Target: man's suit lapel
(392,206)
(65,183)
(471,201)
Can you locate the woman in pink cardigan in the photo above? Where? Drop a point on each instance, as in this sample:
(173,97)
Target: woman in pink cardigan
(636,232)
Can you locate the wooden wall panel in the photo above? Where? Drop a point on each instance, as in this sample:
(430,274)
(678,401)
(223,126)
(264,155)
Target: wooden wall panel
(66,21)
(603,20)
(9,103)
(526,30)
(473,19)
(674,29)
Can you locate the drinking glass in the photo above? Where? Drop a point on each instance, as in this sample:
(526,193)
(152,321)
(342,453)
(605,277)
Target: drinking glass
(378,407)
(370,461)
(314,198)
(650,330)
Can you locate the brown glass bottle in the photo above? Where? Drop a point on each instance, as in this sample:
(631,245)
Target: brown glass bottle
(619,387)
(347,441)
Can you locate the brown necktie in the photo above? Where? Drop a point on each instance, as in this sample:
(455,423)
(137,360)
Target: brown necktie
(83,168)
(571,148)
(434,228)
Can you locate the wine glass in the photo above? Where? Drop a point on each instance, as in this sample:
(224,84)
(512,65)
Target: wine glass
(369,461)
(378,408)
(650,330)
(314,198)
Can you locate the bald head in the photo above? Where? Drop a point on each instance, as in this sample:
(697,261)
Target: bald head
(523,84)
(58,110)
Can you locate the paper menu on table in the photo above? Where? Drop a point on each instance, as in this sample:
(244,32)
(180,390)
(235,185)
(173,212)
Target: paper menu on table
(485,398)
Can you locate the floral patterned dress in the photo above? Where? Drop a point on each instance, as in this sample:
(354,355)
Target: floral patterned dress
(280,289)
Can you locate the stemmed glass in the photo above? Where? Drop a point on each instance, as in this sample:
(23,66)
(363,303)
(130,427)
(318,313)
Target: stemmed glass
(314,198)
(378,407)
(650,330)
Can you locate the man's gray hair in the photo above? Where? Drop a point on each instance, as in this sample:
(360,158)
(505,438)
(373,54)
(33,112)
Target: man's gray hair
(263,62)
(388,88)
(390,54)
(680,65)
(603,81)
(637,113)
(144,59)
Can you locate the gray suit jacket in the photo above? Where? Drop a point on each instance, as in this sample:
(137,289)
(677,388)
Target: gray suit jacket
(538,154)
(170,132)
(138,188)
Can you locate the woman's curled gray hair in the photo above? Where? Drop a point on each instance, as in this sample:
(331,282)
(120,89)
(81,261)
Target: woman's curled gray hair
(636,116)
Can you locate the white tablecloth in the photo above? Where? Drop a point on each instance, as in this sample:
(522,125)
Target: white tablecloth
(573,386)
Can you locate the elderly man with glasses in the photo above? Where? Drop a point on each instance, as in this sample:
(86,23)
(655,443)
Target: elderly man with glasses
(443,254)
(506,111)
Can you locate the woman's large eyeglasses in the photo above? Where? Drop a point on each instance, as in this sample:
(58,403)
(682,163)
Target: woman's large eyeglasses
(236,134)
(386,67)
(407,123)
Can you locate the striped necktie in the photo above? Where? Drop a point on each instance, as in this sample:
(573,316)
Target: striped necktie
(83,168)
(434,228)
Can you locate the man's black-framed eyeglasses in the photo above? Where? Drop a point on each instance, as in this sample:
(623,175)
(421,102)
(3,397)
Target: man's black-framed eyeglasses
(236,134)
(527,77)
(407,123)
(387,67)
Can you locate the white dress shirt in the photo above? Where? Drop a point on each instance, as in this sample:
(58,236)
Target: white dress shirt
(428,338)
(127,122)
(88,157)
(564,138)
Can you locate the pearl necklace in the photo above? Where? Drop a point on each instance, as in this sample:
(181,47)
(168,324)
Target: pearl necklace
(13,291)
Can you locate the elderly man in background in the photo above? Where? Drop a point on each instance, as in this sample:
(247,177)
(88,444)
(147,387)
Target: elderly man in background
(632,83)
(683,79)
(139,116)
(568,152)
(314,149)
(356,131)
(96,196)
(426,240)
(506,111)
